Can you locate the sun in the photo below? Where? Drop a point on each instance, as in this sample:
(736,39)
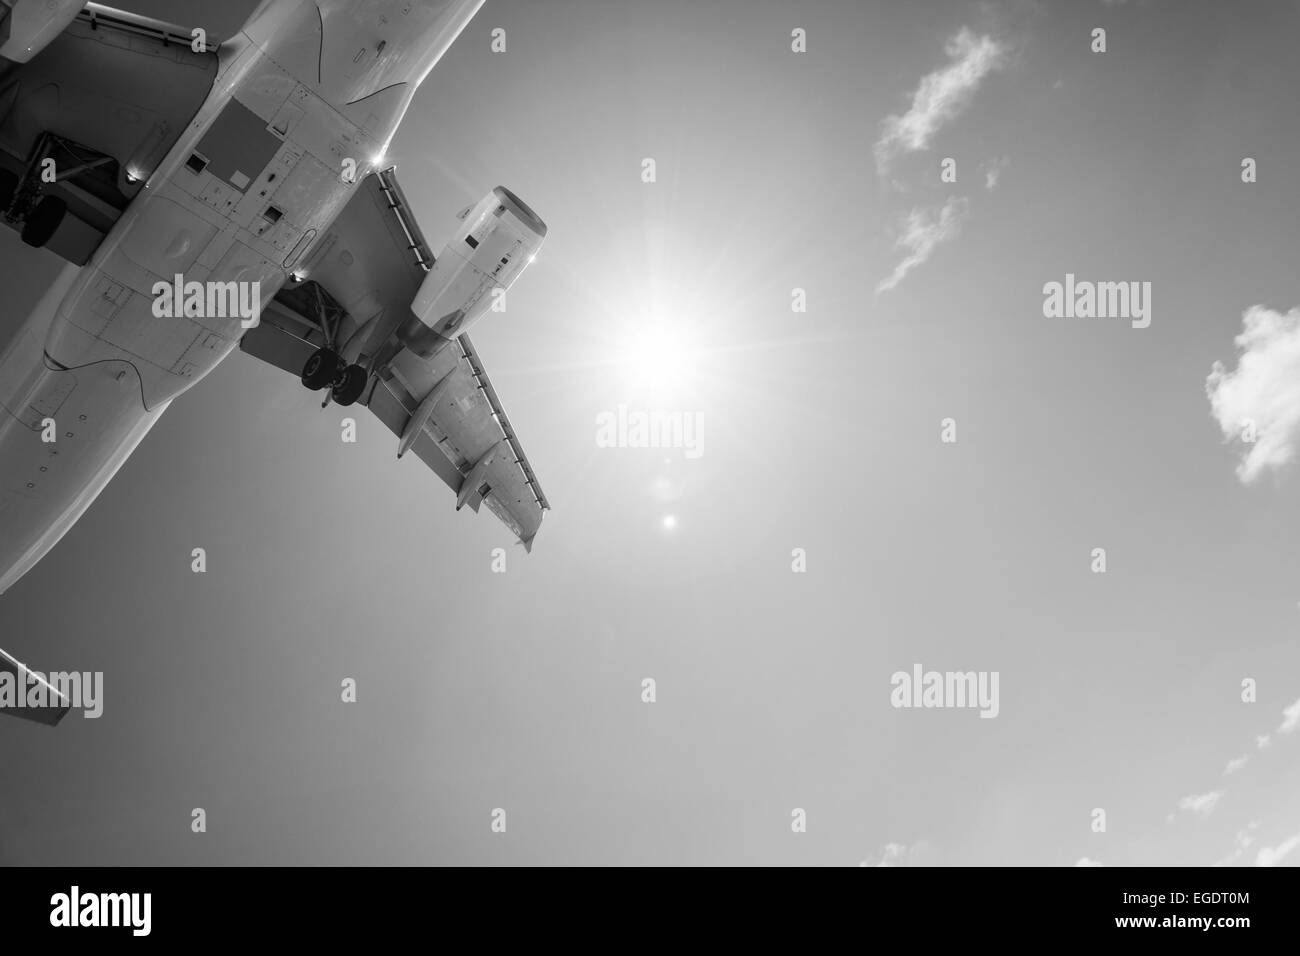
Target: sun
(659,359)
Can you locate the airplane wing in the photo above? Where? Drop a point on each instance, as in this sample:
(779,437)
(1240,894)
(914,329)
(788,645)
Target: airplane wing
(48,706)
(104,94)
(354,289)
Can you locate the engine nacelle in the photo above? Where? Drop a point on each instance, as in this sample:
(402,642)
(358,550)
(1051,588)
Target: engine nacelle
(28,26)
(498,238)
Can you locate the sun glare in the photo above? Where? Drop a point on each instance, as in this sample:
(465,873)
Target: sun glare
(659,359)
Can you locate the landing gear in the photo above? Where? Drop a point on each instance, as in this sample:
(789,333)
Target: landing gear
(32,200)
(43,221)
(353,383)
(326,369)
(321,369)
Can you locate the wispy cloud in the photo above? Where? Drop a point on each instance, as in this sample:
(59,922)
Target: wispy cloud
(1243,840)
(1260,399)
(941,95)
(923,230)
(1290,718)
(993,172)
(1235,764)
(899,854)
(1273,855)
(1084,861)
(1202,804)
(1246,836)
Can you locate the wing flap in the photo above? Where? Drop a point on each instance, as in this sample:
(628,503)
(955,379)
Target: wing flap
(467,424)
(393,405)
(499,413)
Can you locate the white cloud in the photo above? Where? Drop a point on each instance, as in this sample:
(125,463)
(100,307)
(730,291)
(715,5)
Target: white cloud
(1235,764)
(1263,392)
(898,854)
(890,856)
(993,172)
(1273,855)
(1246,836)
(1290,718)
(1263,741)
(941,95)
(922,231)
(1201,804)
(1087,862)
(1243,840)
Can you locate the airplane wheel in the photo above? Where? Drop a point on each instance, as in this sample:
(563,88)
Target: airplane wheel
(353,384)
(44,221)
(321,369)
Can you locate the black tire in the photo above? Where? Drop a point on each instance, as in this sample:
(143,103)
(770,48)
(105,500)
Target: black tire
(321,369)
(44,221)
(353,384)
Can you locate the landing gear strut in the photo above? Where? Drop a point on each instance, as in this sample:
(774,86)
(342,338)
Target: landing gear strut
(326,369)
(26,198)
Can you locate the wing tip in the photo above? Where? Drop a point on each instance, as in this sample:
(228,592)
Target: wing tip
(50,713)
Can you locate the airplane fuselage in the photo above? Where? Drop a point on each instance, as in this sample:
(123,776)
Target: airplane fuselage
(305,102)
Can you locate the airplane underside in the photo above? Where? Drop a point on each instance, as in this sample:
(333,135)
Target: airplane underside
(211,196)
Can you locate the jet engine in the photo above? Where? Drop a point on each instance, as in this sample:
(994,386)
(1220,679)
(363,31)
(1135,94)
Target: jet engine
(498,238)
(28,26)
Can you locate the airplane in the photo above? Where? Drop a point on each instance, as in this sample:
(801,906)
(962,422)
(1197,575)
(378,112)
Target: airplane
(211,195)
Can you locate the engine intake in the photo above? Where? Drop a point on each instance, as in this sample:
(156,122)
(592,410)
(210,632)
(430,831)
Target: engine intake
(28,26)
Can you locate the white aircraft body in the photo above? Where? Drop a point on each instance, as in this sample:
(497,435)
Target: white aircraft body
(208,196)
